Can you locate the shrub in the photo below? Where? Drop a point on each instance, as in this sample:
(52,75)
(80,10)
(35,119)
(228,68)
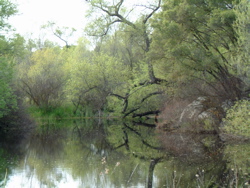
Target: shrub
(237,120)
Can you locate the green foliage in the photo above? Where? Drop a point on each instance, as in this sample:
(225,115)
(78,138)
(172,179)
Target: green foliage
(239,155)
(7,9)
(237,121)
(7,98)
(94,78)
(196,41)
(10,48)
(42,78)
(141,141)
(130,43)
(242,24)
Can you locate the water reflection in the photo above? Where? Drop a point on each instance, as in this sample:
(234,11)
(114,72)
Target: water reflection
(91,153)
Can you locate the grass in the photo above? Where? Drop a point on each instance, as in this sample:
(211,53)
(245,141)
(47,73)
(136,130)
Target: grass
(63,112)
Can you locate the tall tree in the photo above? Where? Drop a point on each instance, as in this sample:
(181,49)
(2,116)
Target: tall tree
(140,95)
(42,78)
(93,76)
(195,40)
(8,47)
(242,27)
(114,12)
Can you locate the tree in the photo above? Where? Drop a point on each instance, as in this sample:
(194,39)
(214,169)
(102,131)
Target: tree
(114,12)
(123,45)
(42,78)
(62,34)
(93,77)
(195,41)
(7,9)
(237,121)
(139,90)
(8,101)
(241,25)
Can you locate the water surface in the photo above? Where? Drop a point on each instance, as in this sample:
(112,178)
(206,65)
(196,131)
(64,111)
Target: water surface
(93,153)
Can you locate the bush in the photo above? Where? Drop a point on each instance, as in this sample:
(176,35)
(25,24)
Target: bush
(237,120)
(8,101)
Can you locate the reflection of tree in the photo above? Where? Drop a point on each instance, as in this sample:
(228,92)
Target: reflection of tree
(125,155)
(125,138)
(11,141)
(92,138)
(45,147)
(140,142)
(6,162)
(237,171)
(142,138)
(191,147)
(151,171)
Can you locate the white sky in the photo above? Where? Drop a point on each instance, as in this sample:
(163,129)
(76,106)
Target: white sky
(35,13)
(65,13)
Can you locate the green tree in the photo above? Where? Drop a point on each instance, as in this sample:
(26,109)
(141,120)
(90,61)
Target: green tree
(237,119)
(123,45)
(42,78)
(133,34)
(7,98)
(194,41)
(93,78)
(8,48)
(109,13)
(241,25)
(7,9)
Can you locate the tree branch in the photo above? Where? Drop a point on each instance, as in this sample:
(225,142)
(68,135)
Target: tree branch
(151,94)
(154,10)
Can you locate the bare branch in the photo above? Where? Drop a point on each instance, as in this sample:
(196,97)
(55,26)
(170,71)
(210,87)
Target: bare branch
(116,8)
(151,14)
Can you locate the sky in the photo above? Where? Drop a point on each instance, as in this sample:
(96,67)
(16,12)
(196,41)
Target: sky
(35,13)
(65,13)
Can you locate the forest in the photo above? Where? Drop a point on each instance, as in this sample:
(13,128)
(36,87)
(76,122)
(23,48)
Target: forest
(137,61)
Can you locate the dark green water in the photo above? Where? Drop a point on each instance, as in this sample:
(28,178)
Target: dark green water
(93,154)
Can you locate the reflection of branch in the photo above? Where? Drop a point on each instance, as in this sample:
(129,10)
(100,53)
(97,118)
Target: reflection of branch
(132,173)
(125,141)
(151,171)
(146,113)
(143,141)
(131,111)
(144,124)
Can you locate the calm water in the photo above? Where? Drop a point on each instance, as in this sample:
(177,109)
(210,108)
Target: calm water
(89,153)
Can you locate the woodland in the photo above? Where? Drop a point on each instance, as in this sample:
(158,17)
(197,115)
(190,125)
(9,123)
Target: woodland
(135,62)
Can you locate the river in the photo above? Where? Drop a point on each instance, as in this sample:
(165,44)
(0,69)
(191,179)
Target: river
(93,153)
